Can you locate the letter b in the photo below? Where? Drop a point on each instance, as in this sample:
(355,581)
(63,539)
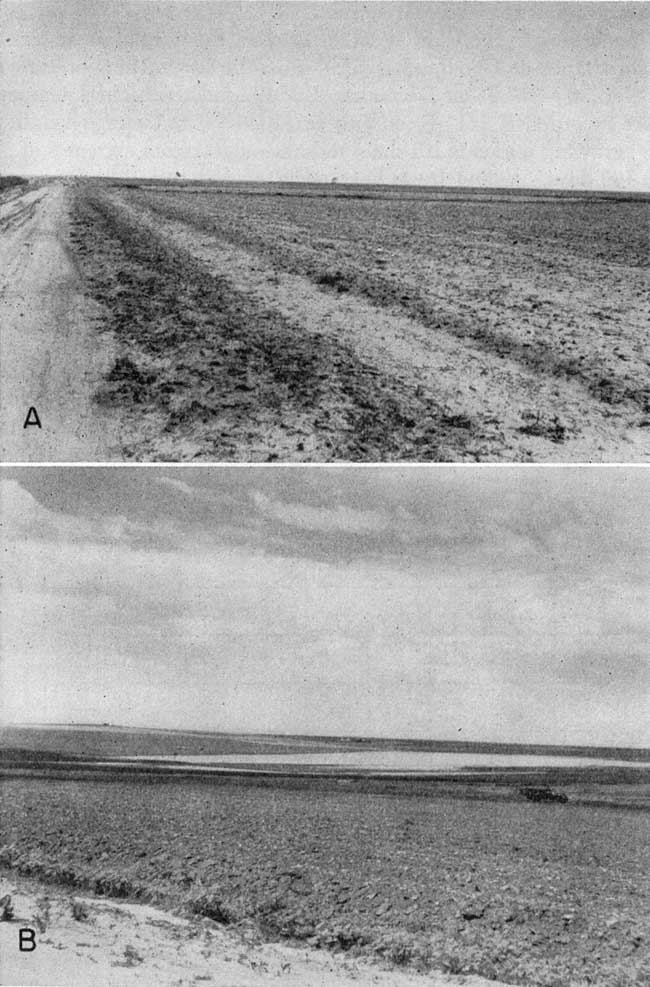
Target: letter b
(26,940)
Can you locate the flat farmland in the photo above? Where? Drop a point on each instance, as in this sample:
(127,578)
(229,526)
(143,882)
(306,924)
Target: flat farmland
(321,323)
(524,893)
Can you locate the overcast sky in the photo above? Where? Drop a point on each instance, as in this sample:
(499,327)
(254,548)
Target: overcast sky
(506,94)
(488,603)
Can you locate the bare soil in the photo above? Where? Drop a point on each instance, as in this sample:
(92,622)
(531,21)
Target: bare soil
(547,895)
(85,940)
(254,325)
(53,351)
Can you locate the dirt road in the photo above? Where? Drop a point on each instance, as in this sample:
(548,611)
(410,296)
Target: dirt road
(52,356)
(114,943)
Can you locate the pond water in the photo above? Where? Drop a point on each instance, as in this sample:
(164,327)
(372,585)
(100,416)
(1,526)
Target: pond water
(390,761)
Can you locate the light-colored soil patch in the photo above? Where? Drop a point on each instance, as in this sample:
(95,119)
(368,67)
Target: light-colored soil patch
(498,392)
(227,326)
(210,372)
(113,944)
(52,350)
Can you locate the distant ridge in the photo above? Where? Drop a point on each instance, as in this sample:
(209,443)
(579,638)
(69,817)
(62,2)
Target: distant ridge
(349,742)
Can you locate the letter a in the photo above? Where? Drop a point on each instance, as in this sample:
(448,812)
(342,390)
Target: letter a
(32,418)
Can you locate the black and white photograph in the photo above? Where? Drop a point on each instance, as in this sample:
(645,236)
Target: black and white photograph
(333,232)
(324,493)
(337,726)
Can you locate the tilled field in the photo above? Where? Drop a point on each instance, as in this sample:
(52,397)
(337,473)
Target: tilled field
(256,326)
(528,894)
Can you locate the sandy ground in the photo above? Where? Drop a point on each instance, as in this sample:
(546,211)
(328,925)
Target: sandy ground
(116,944)
(496,389)
(491,387)
(201,328)
(52,353)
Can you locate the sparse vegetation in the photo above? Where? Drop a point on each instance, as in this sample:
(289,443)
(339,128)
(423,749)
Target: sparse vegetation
(10,181)
(6,909)
(79,910)
(395,876)
(131,956)
(333,279)
(215,371)
(43,916)
(304,325)
(210,905)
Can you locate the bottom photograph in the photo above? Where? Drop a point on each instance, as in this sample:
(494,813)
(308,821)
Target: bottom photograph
(325,726)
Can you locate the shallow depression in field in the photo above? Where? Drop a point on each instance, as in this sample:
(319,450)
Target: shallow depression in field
(392,761)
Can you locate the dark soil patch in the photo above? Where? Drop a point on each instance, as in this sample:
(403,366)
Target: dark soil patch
(11,181)
(588,233)
(219,377)
(530,894)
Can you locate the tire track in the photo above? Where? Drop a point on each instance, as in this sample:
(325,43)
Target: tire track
(51,356)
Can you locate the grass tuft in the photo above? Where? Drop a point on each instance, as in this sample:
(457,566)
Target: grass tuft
(211,906)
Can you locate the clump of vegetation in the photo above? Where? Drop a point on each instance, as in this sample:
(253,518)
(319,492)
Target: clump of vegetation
(212,906)
(536,425)
(79,910)
(451,962)
(113,886)
(131,956)
(128,381)
(457,421)
(334,279)
(43,915)
(6,909)
(401,950)
(10,181)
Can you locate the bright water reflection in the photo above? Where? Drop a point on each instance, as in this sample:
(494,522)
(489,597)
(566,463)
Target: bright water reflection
(396,761)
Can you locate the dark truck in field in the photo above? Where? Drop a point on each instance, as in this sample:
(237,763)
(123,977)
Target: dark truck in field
(543,795)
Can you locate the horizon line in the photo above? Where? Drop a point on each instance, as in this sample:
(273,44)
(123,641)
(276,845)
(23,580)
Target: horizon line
(339,183)
(317,736)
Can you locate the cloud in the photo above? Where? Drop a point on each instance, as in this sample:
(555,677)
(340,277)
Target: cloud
(452,601)
(176,484)
(233,638)
(544,519)
(327,519)
(25,518)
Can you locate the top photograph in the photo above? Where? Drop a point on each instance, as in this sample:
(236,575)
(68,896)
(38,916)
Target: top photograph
(324,232)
